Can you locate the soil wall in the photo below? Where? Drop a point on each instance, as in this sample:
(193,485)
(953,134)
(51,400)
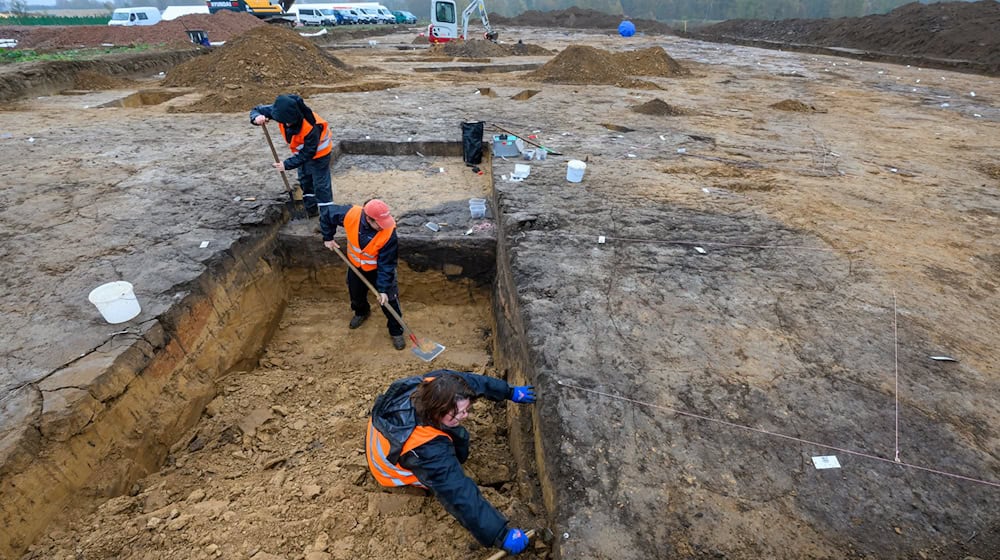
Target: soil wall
(44,78)
(111,417)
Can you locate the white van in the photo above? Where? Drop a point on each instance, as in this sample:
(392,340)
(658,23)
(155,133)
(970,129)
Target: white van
(135,16)
(316,16)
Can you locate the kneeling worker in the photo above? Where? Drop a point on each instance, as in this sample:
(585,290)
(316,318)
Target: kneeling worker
(415,438)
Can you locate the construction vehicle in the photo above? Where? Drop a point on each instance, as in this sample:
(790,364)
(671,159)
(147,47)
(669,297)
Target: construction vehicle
(444,21)
(276,13)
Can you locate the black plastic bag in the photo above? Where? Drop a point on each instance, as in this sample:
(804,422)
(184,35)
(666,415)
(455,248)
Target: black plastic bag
(472,142)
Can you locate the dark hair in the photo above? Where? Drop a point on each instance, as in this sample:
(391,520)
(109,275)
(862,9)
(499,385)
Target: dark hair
(437,397)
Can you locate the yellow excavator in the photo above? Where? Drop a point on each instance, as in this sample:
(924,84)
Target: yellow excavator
(275,11)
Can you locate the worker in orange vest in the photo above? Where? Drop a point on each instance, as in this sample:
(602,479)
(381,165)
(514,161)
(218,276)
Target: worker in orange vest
(309,137)
(373,248)
(415,438)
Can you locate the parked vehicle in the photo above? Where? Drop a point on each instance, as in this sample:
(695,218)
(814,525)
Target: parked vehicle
(346,17)
(316,16)
(135,16)
(444,21)
(330,17)
(279,14)
(370,15)
(402,16)
(385,16)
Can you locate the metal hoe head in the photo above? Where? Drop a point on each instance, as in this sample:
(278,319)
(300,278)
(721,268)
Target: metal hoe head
(426,351)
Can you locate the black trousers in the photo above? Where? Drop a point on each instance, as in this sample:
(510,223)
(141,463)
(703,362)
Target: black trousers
(359,299)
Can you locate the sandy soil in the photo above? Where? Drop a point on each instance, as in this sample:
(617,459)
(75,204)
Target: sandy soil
(762,268)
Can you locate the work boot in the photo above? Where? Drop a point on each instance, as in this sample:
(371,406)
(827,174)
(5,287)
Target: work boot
(357,320)
(398,342)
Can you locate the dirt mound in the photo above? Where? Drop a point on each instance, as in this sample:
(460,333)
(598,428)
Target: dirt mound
(653,61)
(475,48)
(793,105)
(480,48)
(266,55)
(659,107)
(579,18)
(220,27)
(254,67)
(580,64)
(964,31)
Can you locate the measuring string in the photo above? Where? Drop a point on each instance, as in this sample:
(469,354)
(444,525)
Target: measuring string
(781,436)
(684,242)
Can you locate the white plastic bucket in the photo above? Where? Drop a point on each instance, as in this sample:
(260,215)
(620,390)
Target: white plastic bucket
(116,301)
(574,170)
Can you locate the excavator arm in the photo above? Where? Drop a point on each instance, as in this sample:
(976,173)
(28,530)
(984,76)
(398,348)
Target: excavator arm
(474,6)
(287,5)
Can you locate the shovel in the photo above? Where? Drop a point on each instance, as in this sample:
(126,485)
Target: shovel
(544,533)
(295,207)
(426,351)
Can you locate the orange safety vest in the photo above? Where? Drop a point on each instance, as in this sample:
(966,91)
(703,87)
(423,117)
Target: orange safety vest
(325,140)
(366,259)
(377,446)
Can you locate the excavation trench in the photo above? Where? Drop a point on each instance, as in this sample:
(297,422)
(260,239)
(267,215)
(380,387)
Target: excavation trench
(233,424)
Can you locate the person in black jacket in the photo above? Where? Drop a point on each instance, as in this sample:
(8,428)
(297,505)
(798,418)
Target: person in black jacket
(415,438)
(311,142)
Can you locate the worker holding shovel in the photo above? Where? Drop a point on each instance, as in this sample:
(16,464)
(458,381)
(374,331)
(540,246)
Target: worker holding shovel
(415,438)
(308,135)
(373,250)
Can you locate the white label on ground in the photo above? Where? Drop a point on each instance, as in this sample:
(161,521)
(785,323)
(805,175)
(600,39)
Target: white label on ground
(826,462)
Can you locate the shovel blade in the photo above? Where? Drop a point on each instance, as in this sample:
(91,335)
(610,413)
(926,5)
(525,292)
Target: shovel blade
(428,351)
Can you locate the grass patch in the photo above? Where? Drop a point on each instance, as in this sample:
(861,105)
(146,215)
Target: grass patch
(58,20)
(28,55)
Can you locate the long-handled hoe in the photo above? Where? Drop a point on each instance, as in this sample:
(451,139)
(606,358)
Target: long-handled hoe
(426,351)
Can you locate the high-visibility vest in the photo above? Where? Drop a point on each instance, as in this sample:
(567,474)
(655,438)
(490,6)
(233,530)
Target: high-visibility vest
(325,140)
(377,447)
(367,258)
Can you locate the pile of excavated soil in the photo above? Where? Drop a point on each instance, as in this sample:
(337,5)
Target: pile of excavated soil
(794,106)
(480,48)
(579,18)
(659,107)
(254,68)
(946,30)
(219,27)
(580,64)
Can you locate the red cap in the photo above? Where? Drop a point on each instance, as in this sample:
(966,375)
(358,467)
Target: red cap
(379,211)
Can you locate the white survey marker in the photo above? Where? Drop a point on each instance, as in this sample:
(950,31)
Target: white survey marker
(826,462)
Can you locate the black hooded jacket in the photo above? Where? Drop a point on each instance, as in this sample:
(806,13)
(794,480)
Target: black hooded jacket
(437,463)
(291,110)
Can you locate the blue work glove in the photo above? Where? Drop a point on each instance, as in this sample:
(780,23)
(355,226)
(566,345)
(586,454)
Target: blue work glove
(515,542)
(523,394)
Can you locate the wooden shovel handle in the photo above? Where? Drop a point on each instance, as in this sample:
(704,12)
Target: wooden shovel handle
(376,292)
(288,188)
(529,533)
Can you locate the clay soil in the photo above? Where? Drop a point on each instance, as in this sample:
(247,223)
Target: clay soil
(938,32)
(772,287)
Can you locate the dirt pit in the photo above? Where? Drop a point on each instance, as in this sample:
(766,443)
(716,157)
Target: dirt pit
(276,466)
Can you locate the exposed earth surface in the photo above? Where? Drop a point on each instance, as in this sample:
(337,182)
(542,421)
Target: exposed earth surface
(773,258)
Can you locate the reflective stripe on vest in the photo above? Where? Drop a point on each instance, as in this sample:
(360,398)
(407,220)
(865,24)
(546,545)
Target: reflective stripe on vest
(377,446)
(325,140)
(366,259)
